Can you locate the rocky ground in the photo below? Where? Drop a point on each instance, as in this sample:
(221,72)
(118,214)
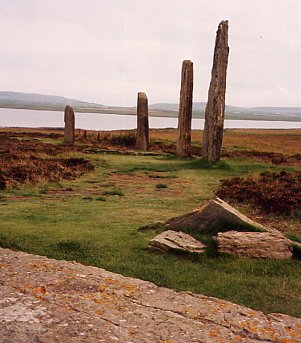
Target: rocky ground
(44,300)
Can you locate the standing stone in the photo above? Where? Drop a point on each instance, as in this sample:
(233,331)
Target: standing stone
(215,109)
(69,119)
(142,138)
(185,110)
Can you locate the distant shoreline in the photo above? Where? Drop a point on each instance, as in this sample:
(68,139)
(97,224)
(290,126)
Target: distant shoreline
(114,121)
(157,113)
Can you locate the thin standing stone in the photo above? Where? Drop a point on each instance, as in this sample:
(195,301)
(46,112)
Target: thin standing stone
(185,110)
(215,109)
(142,122)
(69,119)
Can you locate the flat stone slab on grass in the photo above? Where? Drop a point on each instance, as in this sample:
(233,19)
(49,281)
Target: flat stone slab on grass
(176,240)
(254,244)
(49,301)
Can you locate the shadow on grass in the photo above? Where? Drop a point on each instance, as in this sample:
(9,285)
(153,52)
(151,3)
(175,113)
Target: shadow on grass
(296,252)
(165,164)
(195,163)
(73,249)
(199,163)
(9,243)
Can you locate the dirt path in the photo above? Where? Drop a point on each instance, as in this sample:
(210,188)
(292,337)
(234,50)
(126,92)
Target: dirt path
(44,300)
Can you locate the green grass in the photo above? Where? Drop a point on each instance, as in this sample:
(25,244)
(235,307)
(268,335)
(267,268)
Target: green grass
(293,237)
(92,227)
(161,185)
(2,198)
(118,192)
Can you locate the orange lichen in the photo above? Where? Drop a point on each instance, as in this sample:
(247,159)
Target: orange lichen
(99,312)
(41,290)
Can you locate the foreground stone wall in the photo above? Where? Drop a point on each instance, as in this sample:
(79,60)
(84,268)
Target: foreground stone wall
(44,300)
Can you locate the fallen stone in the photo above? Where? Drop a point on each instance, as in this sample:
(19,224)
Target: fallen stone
(254,244)
(44,300)
(214,216)
(176,240)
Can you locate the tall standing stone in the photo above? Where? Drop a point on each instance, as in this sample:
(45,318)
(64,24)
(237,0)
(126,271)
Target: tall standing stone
(215,109)
(142,138)
(185,110)
(69,119)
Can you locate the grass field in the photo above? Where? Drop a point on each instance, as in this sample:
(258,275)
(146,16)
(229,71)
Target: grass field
(94,220)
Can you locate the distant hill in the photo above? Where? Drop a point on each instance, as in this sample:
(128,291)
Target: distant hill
(197,106)
(58,103)
(235,112)
(41,101)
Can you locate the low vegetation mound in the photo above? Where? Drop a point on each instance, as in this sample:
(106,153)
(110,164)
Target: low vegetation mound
(121,138)
(32,161)
(271,157)
(275,193)
(15,148)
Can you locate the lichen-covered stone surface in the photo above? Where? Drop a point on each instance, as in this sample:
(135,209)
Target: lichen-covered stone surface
(44,300)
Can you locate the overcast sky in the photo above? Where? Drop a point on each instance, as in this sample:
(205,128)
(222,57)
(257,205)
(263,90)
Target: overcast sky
(106,51)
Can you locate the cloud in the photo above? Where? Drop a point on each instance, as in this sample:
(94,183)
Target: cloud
(107,51)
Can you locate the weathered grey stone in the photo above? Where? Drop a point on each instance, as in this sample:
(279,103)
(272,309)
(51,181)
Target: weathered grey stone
(215,109)
(44,300)
(254,244)
(142,122)
(185,110)
(69,119)
(213,217)
(176,240)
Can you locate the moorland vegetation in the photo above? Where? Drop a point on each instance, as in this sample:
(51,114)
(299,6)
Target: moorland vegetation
(85,203)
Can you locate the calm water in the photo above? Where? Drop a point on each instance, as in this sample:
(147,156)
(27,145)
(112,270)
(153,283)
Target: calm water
(96,121)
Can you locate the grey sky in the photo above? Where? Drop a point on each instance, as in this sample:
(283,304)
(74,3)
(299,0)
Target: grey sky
(107,50)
